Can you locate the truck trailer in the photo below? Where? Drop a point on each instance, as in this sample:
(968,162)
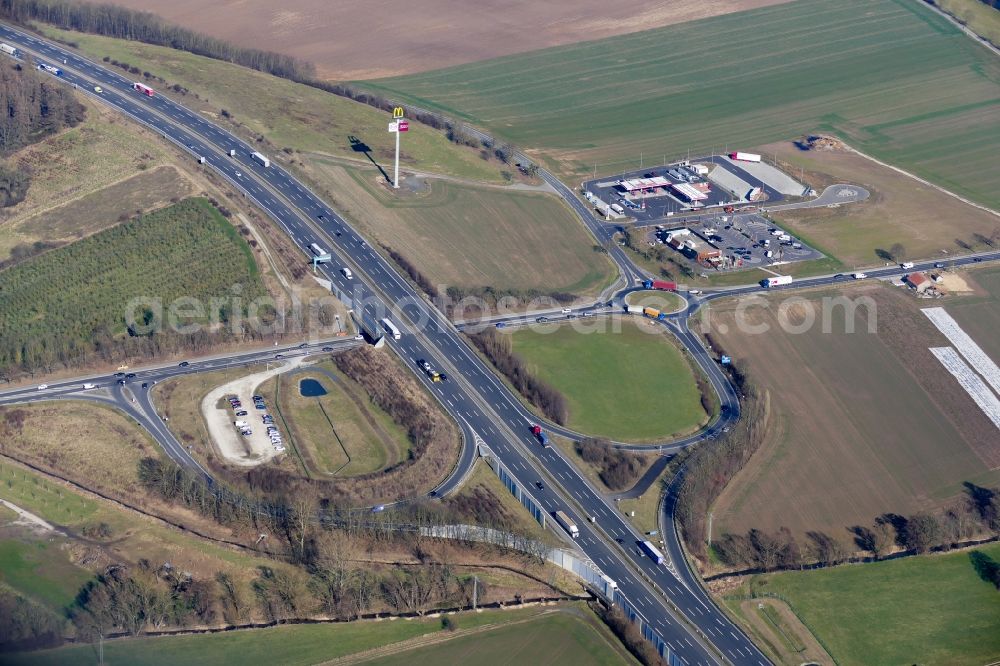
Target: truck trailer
(539,434)
(652,551)
(143,88)
(567,524)
(55,71)
(260,159)
(776,281)
(391,329)
(660,285)
(9,50)
(745,157)
(633,309)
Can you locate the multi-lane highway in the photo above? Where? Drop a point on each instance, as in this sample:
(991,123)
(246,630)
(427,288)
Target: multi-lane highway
(684,618)
(667,597)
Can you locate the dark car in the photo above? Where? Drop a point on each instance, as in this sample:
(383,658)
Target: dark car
(977,259)
(242,412)
(183,364)
(303,345)
(145,385)
(327,349)
(278,356)
(119,374)
(443,377)
(539,485)
(130,375)
(542,320)
(122,382)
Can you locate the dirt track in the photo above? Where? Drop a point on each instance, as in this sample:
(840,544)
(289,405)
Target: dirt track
(365,40)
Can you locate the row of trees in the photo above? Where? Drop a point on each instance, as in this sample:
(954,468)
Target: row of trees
(619,469)
(26,625)
(711,467)
(500,351)
(418,278)
(135,599)
(919,533)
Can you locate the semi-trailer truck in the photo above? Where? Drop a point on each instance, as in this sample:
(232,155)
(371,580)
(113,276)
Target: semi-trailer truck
(652,551)
(391,329)
(260,159)
(9,50)
(633,309)
(776,281)
(567,524)
(745,157)
(537,431)
(49,68)
(143,88)
(659,284)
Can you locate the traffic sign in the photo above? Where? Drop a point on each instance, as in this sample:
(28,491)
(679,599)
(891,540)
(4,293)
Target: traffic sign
(404,125)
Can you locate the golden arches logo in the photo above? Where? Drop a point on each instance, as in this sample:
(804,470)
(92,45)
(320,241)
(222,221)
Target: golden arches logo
(397,112)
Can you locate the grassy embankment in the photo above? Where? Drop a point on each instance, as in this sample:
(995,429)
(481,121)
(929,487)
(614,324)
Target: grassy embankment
(902,84)
(454,232)
(632,385)
(928,609)
(83,179)
(289,115)
(470,236)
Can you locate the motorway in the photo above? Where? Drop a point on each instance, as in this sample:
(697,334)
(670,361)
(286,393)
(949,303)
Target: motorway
(667,597)
(480,403)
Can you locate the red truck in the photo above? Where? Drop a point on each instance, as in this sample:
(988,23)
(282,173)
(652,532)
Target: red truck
(143,88)
(660,284)
(537,431)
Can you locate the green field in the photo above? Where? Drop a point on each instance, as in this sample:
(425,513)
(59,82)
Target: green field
(630,386)
(889,76)
(341,433)
(290,115)
(41,570)
(470,236)
(931,609)
(302,645)
(562,639)
(62,304)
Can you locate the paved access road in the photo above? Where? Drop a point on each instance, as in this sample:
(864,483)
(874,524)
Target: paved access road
(695,630)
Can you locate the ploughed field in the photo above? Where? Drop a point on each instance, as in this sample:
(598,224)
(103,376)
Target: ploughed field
(864,423)
(412,37)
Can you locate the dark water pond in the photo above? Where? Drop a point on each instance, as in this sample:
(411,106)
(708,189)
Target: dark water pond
(311,388)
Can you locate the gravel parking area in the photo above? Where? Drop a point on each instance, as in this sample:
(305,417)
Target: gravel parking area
(247,451)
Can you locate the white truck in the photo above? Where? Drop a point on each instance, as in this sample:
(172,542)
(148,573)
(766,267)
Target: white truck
(776,281)
(88,385)
(391,329)
(618,209)
(567,524)
(9,50)
(744,157)
(260,159)
(859,276)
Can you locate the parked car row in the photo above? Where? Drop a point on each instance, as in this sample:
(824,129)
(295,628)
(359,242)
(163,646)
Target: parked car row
(267,420)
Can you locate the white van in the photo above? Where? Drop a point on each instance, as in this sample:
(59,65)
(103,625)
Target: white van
(906,264)
(240,424)
(347,273)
